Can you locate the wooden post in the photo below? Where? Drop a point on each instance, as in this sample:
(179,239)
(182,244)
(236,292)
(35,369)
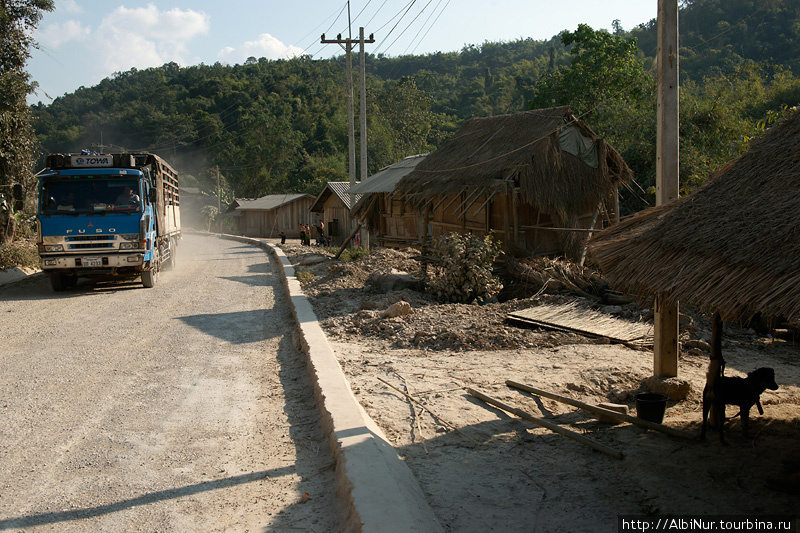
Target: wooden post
(589,233)
(423,239)
(507,221)
(515,216)
(665,348)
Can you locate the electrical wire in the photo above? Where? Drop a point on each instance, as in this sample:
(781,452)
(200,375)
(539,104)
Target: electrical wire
(430,27)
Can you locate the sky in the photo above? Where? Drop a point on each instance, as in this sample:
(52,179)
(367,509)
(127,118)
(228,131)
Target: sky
(82,42)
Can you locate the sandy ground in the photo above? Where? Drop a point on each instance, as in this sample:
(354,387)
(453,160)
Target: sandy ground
(486,470)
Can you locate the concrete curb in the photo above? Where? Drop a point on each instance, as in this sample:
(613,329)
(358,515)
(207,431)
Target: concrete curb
(380,490)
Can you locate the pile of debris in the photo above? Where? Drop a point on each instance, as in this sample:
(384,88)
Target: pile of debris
(352,299)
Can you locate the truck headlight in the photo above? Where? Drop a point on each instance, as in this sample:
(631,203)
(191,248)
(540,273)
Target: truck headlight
(52,248)
(129,245)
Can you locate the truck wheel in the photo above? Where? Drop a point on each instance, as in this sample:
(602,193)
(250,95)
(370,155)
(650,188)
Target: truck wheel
(57,281)
(150,277)
(173,252)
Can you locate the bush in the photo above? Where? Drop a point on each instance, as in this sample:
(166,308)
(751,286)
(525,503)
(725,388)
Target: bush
(462,271)
(304,276)
(19,253)
(349,254)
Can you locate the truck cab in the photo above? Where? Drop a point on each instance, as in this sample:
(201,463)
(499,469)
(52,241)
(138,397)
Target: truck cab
(107,215)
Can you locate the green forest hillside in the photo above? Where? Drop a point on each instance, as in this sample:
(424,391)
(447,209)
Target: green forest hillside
(281,126)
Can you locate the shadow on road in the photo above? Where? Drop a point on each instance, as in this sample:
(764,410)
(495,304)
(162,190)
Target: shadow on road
(144,499)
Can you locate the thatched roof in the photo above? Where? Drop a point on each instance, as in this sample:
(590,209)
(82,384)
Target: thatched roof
(733,246)
(493,154)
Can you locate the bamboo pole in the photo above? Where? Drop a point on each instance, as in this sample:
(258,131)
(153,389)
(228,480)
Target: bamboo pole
(358,227)
(589,233)
(484,205)
(476,193)
(552,228)
(549,425)
(605,412)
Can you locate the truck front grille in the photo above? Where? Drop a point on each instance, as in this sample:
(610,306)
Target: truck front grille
(92,245)
(74,238)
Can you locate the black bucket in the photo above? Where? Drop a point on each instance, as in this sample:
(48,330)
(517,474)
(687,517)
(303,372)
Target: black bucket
(650,406)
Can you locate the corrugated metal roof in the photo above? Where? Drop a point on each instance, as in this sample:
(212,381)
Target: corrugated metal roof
(269,202)
(342,191)
(385,179)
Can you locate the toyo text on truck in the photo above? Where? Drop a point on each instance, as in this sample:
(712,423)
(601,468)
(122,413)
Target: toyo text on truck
(107,215)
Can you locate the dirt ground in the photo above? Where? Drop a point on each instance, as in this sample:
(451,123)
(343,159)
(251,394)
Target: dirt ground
(486,470)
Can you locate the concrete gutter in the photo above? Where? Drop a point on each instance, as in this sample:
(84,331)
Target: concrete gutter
(379,490)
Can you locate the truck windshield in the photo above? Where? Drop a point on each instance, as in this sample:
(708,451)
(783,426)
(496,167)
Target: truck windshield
(62,195)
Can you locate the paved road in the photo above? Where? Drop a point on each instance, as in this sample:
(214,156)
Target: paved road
(185,407)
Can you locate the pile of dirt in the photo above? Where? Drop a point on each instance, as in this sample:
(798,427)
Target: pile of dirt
(350,307)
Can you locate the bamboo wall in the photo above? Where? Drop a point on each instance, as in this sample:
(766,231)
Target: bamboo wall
(522,226)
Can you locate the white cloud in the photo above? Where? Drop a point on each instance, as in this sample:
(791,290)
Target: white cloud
(265,46)
(70,6)
(55,35)
(146,37)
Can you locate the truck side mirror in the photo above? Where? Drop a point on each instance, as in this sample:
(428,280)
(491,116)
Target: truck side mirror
(153,196)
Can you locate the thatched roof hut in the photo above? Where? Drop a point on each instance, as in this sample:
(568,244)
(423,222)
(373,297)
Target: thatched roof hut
(734,245)
(555,160)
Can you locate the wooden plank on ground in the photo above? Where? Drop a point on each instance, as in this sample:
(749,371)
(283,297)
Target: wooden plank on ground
(574,317)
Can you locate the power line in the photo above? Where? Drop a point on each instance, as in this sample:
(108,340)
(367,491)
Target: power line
(432,24)
(410,23)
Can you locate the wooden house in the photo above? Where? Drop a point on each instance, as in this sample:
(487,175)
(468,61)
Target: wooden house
(539,180)
(332,206)
(269,215)
(395,222)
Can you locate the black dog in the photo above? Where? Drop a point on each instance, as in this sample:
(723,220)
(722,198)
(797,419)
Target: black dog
(744,392)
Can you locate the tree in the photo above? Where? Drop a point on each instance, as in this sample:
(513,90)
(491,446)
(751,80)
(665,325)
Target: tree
(604,68)
(18,18)
(405,113)
(210,213)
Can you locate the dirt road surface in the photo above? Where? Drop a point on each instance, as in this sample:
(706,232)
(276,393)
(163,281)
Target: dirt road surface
(185,407)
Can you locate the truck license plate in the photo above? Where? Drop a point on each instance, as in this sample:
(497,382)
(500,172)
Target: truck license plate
(92,261)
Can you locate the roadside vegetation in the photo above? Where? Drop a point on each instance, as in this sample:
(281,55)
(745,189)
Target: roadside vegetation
(19,253)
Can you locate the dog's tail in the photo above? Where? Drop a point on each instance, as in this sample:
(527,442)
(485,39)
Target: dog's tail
(716,365)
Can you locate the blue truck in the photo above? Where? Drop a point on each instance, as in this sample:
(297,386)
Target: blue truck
(107,216)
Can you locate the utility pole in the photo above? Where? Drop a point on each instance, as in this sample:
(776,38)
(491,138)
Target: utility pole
(666,334)
(363,117)
(347,45)
(363,109)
